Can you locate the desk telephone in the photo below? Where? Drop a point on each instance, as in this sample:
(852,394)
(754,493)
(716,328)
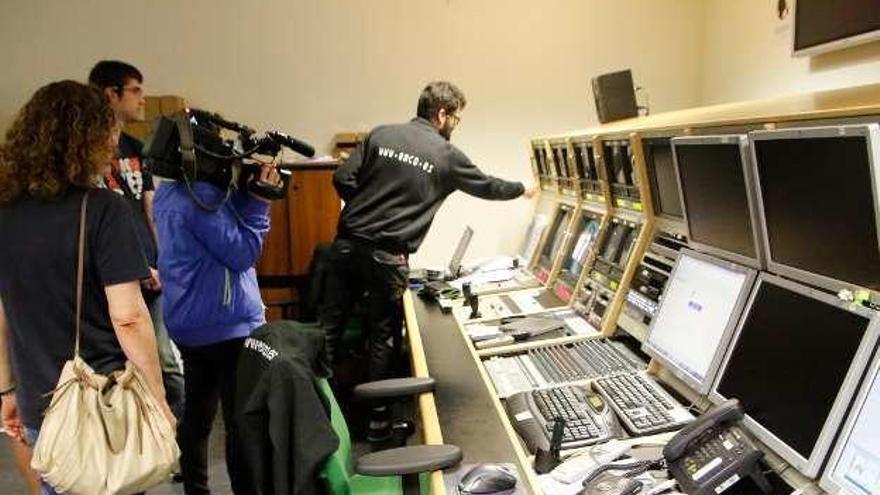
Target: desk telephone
(712,453)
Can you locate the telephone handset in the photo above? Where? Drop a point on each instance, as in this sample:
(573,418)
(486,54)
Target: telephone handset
(712,453)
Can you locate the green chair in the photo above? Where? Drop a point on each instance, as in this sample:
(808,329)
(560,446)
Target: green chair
(401,470)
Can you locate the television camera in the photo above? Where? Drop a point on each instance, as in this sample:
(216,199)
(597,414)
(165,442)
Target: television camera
(189,146)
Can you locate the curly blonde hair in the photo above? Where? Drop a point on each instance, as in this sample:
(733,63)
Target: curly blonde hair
(60,138)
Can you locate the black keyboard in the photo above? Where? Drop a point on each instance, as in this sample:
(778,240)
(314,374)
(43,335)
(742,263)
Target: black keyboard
(643,406)
(533,414)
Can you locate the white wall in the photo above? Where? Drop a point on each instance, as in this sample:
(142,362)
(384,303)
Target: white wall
(315,67)
(747,56)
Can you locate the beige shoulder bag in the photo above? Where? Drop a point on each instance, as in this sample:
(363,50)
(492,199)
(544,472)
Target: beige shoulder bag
(102,434)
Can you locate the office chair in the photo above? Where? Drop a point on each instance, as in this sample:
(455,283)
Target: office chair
(395,471)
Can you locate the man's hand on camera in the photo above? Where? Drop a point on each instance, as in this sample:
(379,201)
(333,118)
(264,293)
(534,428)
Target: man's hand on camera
(530,191)
(268,175)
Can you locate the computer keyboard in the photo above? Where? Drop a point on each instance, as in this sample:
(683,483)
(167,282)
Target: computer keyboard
(644,407)
(533,414)
(560,363)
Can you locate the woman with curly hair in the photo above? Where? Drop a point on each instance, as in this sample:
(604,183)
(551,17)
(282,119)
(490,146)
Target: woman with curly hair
(53,153)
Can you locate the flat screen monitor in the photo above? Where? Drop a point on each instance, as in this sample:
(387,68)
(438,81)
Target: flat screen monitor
(698,312)
(823,25)
(854,466)
(583,160)
(560,154)
(817,203)
(717,196)
(626,245)
(584,235)
(463,243)
(540,159)
(794,365)
(619,166)
(556,235)
(532,239)
(614,242)
(664,184)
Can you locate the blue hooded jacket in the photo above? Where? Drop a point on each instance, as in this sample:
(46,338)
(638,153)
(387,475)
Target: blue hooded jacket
(206,262)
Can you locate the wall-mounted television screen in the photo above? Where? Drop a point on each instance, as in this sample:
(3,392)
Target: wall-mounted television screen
(823,25)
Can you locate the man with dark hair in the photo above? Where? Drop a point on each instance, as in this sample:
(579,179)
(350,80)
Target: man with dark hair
(393,185)
(128,176)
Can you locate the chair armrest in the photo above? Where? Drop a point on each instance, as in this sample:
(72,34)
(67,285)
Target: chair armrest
(408,460)
(394,387)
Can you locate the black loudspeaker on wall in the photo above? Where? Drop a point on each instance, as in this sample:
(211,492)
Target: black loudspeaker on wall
(615,96)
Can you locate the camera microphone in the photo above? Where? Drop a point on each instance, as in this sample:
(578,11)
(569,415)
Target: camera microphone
(218,120)
(293,143)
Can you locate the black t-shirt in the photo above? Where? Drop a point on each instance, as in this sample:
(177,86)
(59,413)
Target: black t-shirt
(38,258)
(130,177)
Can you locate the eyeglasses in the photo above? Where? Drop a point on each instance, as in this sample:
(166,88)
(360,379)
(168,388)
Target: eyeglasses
(135,90)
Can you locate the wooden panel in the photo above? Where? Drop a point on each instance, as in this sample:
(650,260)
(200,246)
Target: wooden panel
(315,208)
(275,259)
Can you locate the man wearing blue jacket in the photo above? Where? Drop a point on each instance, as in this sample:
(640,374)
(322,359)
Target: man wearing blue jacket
(211,304)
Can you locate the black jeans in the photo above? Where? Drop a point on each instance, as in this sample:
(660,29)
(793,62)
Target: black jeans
(356,269)
(210,379)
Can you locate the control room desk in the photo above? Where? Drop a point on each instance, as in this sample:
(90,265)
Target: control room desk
(465,408)
(464,405)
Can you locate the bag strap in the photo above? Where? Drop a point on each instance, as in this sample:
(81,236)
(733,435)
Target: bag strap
(79,268)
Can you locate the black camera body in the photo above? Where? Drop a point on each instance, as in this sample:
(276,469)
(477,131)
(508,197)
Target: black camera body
(189,147)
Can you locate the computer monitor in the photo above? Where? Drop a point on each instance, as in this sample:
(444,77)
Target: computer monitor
(458,255)
(532,239)
(614,240)
(556,235)
(626,245)
(583,161)
(661,175)
(540,158)
(560,156)
(698,313)
(794,364)
(619,165)
(716,192)
(585,233)
(817,203)
(854,465)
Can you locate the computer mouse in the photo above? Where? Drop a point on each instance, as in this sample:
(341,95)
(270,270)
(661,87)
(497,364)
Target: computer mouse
(487,478)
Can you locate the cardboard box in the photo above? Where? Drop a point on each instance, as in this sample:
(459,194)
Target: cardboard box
(139,130)
(172,104)
(153,108)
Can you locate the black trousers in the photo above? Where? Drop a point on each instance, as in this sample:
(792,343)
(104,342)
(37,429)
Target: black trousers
(210,381)
(357,270)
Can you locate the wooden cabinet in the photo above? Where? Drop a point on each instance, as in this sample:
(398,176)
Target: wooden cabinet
(306,218)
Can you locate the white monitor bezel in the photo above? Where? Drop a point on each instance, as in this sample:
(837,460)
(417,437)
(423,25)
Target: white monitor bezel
(871,133)
(807,466)
(742,141)
(703,387)
(828,481)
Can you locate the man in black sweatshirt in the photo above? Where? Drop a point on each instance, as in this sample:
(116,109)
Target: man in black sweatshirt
(393,186)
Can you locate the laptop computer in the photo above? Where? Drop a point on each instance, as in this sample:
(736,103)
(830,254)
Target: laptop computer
(453,270)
